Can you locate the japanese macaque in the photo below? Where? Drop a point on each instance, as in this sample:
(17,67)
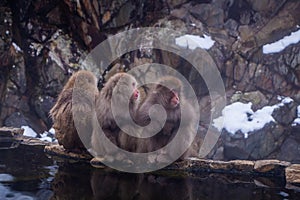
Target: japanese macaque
(168,94)
(118,89)
(82,84)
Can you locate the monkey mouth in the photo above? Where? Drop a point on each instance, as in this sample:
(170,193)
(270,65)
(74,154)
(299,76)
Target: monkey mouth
(135,97)
(175,105)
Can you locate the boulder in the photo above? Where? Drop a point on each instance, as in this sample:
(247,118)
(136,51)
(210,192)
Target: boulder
(258,145)
(257,98)
(209,14)
(271,166)
(292,174)
(289,150)
(267,7)
(286,113)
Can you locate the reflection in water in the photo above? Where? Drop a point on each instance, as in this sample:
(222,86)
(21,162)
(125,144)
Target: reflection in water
(25,173)
(139,186)
(74,180)
(28,174)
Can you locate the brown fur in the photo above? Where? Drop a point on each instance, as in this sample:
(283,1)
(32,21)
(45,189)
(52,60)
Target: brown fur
(104,111)
(61,113)
(163,95)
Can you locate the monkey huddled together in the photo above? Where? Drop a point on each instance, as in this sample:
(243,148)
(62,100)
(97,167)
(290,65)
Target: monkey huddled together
(122,90)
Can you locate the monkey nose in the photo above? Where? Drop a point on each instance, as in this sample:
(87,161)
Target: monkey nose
(136,94)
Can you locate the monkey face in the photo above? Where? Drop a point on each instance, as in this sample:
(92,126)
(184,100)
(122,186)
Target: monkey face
(127,85)
(168,98)
(174,99)
(170,90)
(135,95)
(135,92)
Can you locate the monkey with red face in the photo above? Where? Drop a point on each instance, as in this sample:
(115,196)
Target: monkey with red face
(115,92)
(168,94)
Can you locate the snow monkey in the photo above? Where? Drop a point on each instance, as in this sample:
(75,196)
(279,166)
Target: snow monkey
(126,87)
(85,85)
(168,93)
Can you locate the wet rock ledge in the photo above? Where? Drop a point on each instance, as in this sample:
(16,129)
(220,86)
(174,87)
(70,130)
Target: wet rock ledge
(12,138)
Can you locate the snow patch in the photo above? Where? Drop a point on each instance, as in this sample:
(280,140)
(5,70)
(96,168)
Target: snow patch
(297,120)
(194,41)
(193,158)
(47,136)
(287,100)
(28,131)
(17,48)
(279,45)
(240,117)
(52,131)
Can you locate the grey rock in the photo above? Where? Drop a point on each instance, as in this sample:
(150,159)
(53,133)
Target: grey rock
(285,114)
(232,26)
(257,99)
(175,3)
(289,150)
(16,120)
(259,144)
(267,7)
(208,14)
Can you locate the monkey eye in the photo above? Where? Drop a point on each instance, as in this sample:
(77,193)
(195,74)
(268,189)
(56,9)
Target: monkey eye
(176,90)
(173,91)
(133,84)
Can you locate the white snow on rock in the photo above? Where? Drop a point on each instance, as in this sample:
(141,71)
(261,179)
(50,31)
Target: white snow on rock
(17,48)
(285,100)
(44,136)
(279,45)
(52,131)
(28,131)
(240,117)
(297,120)
(194,41)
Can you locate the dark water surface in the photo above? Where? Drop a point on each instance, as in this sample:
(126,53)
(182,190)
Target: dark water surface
(27,174)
